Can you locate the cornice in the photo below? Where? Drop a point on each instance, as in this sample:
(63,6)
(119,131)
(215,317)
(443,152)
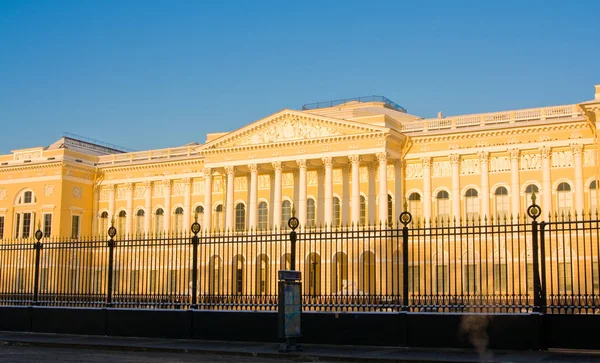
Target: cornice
(112,168)
(27,167)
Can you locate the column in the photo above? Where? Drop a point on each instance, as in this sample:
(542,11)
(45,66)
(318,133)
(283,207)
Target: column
(129,216)
(383,189)
(399,202)
(168,183)
(207,199)
(320,196)
(229,212)
(277,196)
(578,165)
(546,183)
(148,207)
(355,165)
(111,204)
(328,163)
(345,205)
(454,160)
(426,162)
(95,202)
(371,201)
(514,184)
(485,185)
(253,202)
(302,211)
(187,204)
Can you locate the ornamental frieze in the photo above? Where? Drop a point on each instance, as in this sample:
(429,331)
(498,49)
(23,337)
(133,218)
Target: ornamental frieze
(292,129)
(470,166)
(139,192)
(562,159)
(531,162)
(414,170)
(499,164)
(441,169)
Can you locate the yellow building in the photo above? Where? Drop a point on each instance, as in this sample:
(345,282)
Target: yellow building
(347,162)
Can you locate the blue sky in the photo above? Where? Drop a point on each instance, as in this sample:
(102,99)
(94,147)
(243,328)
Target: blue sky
(153,74)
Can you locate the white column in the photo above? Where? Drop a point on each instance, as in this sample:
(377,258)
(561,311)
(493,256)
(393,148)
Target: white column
(383,189)
(148,207)
(96,202)
(111,204)
(578,165)
(426,162)
(455,160)
(546,183)
(129,216)
(328,163)
(229,211)
(514,184)
(187,204)
(207,199)
(345,205)
(302,211)
(168,183)
(320,196)
(253,203)
(355,161)
(485,185)
(277,196)
(371,201)
(399,199)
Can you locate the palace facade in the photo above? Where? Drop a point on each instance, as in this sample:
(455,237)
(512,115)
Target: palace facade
(352,162)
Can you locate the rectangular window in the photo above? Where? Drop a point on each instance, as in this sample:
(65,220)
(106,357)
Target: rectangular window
(443,209)
(26,225)
(75,227)
(1,227)
(413,279)
(502,206)
(17,224)
(470,279)
(472,209)
(500,277)
(47,225)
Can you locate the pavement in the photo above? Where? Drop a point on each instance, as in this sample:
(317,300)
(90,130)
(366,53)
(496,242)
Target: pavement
(309,353)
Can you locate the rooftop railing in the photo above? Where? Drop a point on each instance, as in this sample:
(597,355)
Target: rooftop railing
(175,152)
(325,104)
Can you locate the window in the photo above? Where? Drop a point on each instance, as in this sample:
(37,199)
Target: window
(218,217)
(313,281)
(470,279)
(337,212)
(240,217)
(238,277)
(564,199)
(593,198)
(443,206)
(529,190)
(1,227)
(103,223)
(286,213)
(501,200)
(500,271)
(159,216)
(413,279)
(565,278)
(178,220)
(215,275)
(363,210)
(390,208)
(471,205)
(139,221)
(24,224)
(442,279)
(414,206)
(263,216)
(199,214)
(75,221)
(311,216)
(26,197)
(262,273)
(121,221)
(47,225)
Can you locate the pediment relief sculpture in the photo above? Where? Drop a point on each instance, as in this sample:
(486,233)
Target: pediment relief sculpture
(291,129)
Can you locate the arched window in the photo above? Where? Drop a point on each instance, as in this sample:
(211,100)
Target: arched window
(24,220)
(215,275)
(26,197)
(139,221)
(286,213)
(262,275)
(501,201)
(121,218)
(218,217)
(363,210)
(337,212)
(159,216)
(263,216)
(339,273)
(311,215)
(240,217)
(593,198)
(443,205)
(238,274)
(103,224)
(414,206)
(312,284)
(366,273)
(471,205)
(390,209)
(564,199)
(178,220)
(199,214)
(286,261)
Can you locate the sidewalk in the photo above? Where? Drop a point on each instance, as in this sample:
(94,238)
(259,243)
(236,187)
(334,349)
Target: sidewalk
(311,352)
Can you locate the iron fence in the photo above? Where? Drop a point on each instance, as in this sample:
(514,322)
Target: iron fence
(508,265)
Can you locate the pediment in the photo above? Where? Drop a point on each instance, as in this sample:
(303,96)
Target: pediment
(290,126)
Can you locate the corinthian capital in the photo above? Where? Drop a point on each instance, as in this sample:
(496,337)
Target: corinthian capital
(229,170)
(514,154)
(301,163)
(454,159)
(382,157)
(426,161)
(207,172)
(354,159)
(484,156)
(577,149)
(545,152)
(253,168)
(276,165)
(327,161)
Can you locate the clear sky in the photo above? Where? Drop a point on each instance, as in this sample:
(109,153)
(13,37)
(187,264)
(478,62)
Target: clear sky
(152,74)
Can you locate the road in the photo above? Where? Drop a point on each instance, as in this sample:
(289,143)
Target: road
(26,353)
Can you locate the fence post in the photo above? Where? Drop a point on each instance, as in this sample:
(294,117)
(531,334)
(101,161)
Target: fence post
(405,219)
(542,261)
(36,280)
(534,212)
(195,229)
(112,232)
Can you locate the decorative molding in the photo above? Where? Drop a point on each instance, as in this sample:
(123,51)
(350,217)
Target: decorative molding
(77,192)
(49,190)
(301,163)
(327,162)
(2,194)
(276,165)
